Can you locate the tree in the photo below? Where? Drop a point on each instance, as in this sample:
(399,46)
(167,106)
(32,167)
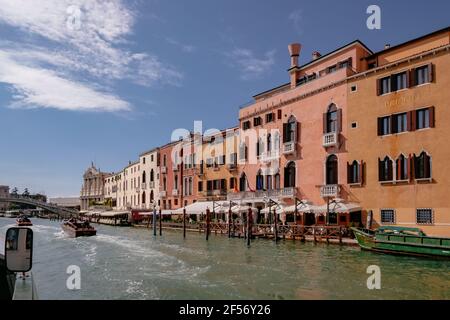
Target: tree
(15,191)
(26,193)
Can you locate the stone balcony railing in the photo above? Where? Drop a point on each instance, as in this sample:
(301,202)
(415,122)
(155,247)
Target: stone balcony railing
(261,195)
(330,139)
(151,184)
(163,170)
(163,194)
(289,148)
(175,193)
(330,191)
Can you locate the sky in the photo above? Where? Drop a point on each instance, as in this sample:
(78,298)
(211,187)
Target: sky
(104,80)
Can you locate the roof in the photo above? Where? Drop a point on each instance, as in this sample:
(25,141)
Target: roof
(447,29)
(358,42)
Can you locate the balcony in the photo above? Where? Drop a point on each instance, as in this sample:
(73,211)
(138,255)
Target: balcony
(269,156)
(232,166)
(175,168)
(330,139)
(163,170)
(175,193)
(289,148)
(261,196)
(163,194)
(152,184)
(330,191)
(143,186)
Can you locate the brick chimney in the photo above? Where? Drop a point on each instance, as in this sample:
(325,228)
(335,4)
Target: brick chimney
(294,52)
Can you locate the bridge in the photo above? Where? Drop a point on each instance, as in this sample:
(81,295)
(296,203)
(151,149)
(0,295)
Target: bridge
(62,212)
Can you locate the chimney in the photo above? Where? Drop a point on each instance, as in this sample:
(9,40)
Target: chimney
(387,46)
(316,55)
(294,52)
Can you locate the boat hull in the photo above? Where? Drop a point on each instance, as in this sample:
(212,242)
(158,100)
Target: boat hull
(403,244)
(24,224)
(75,233)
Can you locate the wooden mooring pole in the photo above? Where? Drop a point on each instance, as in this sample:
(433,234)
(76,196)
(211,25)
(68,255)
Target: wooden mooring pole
(154,222)
(276,224)
(184,223)
(207,224)
(229,221)
(249,226)
(160,222)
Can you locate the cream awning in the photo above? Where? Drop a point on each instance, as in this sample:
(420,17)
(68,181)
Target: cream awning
(339,207)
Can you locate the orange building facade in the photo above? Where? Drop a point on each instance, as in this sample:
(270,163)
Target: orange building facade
(398,121)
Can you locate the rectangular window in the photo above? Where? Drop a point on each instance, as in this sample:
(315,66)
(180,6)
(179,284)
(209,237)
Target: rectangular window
(423,118)
(233,158)
(385,85)
(200,186)
(422,75)
(399,123)
(279,115)
(257,121)
(424,216)
(232,185)
(399,81)
(332,69)
(387,216)
(384,126)
(246,125)
(209,185)
(270,117)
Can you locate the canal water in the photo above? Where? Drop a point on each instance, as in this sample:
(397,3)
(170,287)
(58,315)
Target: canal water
(128,263)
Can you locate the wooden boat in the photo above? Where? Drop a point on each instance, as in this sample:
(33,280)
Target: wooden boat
(77,229)
(402,240)
(23,222)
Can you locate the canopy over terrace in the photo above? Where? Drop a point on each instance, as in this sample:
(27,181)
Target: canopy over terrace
(338,207)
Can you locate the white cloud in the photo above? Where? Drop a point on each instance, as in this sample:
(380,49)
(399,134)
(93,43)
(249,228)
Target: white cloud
(251,67)
(34,87)
(93,42)
(188,48)
(296,17)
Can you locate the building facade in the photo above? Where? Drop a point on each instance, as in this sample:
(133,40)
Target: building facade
(294,138)
(4,193)
(92,190)
(150,179)
(398,133)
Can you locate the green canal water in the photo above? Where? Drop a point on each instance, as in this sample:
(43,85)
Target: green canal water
(127,263)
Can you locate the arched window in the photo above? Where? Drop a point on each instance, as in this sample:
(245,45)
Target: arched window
(259,181)
(422,166)
(289,175)
(269,182)
(143,197)
(269,142)
(152,175)
(354,172)
(402,168)
(176,182)
(152,196)
(386,171)
(276,142)
(259,147)
(290,130)
(243,151)
(243,183)
(164,184)
(144,177)
(277,184)
(331,118)
(332,170)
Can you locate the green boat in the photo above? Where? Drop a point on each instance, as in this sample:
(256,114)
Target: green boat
(402,240)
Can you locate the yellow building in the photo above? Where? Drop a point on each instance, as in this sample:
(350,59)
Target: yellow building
(398,122)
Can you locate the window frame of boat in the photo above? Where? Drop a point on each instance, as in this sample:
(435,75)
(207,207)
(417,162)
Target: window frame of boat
(425,223)
(394,216)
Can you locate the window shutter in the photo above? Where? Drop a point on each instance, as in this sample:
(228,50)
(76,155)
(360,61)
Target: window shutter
(408,79)
(285,132)
(427,169)
(279,114)
(412,77)
(296,135)
(361,172)
(339,121)
(399,168)
(432,117)
(409,169)
(378,87)
(325,118)
(391,124)
(380,166)
(349,173)
(413,120)
(408,121)
(430,73)
(380,123)
(393,83)
(350,62)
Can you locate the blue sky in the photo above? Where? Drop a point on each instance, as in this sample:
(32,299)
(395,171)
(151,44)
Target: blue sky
(130,72)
